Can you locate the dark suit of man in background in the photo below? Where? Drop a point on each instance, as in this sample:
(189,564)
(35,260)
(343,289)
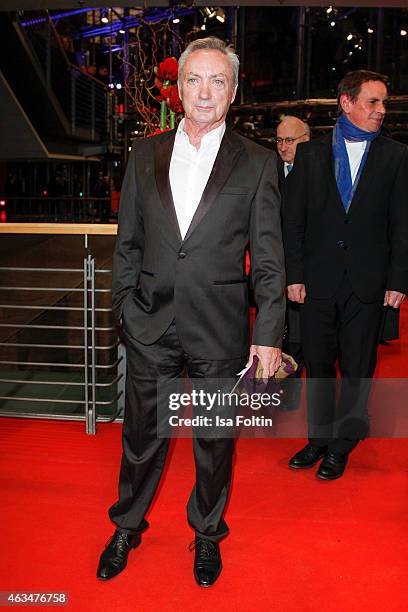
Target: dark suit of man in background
(346,247)
(180,287)
(290,132)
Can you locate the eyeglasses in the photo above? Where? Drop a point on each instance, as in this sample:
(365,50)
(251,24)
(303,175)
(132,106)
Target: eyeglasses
(288,140)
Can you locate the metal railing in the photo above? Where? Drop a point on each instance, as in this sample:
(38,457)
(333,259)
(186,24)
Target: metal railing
(86,101)
(57,208)
(90,104)
(59,351)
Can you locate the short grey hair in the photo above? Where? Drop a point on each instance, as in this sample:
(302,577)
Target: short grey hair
(285,118)
(216,44)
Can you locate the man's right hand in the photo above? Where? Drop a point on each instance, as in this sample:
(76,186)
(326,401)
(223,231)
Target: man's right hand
(297,293)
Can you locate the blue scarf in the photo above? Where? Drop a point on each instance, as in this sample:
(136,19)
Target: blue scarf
(344,129)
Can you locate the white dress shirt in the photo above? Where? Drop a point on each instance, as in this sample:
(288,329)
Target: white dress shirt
(355,152)
(287,169)
(190,170)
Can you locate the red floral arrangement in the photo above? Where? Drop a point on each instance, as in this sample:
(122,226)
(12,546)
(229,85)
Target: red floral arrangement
(168,69)
(166,83)
(171,95)
(158,131)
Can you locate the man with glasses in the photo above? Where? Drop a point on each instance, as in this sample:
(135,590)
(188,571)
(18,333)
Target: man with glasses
(291,131)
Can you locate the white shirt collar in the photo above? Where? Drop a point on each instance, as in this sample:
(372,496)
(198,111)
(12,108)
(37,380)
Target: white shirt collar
(212,137)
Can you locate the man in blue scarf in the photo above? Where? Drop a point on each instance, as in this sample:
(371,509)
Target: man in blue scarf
(346,248)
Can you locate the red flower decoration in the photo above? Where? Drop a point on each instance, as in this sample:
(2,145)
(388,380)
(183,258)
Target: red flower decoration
(168,69)
(173,99)
(158,131)
(164,92)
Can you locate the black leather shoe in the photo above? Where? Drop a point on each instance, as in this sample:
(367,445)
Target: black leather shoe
(207,561)
(114,558)
(307,457)
(332,466)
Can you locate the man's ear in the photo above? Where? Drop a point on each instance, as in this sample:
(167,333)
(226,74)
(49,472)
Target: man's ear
(234,94)
(345,103)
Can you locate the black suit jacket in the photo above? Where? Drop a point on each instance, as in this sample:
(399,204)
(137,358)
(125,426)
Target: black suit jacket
(370,241)
(281,172)
(200,281)
(293,333)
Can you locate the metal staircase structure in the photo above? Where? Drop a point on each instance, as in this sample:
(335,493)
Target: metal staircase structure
(49,108)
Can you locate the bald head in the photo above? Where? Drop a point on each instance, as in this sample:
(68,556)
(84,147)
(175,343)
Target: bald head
(290,132)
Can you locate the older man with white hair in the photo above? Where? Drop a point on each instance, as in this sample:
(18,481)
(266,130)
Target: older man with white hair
(192,200)
(290,132)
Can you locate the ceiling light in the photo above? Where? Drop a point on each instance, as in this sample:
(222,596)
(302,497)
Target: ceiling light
(209,11)
(370,30)
(332,23)
(220,15)
(349,37)
(176,20)
(329,10)
(403,32)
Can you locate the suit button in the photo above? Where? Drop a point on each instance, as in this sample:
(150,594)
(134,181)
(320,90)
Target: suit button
(181,255)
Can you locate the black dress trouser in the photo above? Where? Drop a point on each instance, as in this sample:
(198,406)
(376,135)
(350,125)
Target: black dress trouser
(144,454)
(339,328)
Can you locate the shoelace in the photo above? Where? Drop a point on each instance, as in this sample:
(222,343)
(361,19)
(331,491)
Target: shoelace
(204,548)
(118,539)
(310,450)
(333,458)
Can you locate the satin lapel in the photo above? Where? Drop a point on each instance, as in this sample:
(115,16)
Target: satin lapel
(228,153)
(162,157)
(371,169)
(329,161)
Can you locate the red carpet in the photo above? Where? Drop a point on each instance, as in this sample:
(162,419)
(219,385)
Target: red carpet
(393,358)
(296,543)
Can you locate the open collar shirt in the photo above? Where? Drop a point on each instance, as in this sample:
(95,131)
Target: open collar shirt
(190,170)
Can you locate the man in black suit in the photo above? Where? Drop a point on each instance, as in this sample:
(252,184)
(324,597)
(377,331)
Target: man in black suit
(346,248)
(192,200)
(290,132)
